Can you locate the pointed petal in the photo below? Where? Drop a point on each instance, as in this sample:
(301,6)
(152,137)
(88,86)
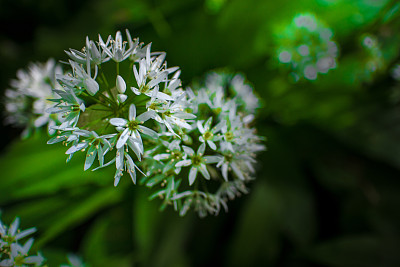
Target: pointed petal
(201,149)
(122,139)
(118,122)
(91,86)
(13,227)
(192,175)
(146,116)
(131,168)
(183,163)
(188,150)
(225,171)
(212,145)
(137,77)
(90,157)
(133,144)
(25,233)
(204,172)
(200,127)
(132,112)
(237,171)
(212,159)
(148,132)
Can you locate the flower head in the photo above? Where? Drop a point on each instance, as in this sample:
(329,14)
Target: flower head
(27,100)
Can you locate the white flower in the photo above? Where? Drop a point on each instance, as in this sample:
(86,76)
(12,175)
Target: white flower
(198,162)
(116,48)
(208,135)
(70,107)
(27,100)
(171,114)
(124,162)
(131,128)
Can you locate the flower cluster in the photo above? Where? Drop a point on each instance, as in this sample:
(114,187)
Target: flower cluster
(211,162)
(12,252)
(117,95)
(122,106)
(26,101)
(373,59)
(306,47)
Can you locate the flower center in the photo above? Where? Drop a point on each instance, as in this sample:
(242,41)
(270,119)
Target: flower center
(228,157)
(208,135)
(19,260)
(176,154)
(167,113)
(133,125)
(144,89)
(9,239)
(217,110)
(197,160)
(229,136)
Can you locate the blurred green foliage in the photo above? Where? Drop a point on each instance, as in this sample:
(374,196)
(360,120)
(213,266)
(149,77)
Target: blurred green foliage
(327,191)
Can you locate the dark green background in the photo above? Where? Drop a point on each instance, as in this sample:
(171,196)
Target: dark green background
(327,189)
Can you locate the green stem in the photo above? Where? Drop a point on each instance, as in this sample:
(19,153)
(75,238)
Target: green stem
(93,98)
(107,86)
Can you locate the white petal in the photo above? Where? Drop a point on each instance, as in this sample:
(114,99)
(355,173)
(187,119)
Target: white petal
(188,150)
(237,171)
(135,90)
(13,227)
(200,127)
(146,116)
(122,98)
(184,163)
(212,145)
(138,80)
(212,159)
(201,149)
(225,171)
(122,139)
(204,172)
(91,86)
(132,112)
(192,175)
(148,132)
(25,233)
(156,81)
(118,122)
(133,144)
(162,156)
(163,96)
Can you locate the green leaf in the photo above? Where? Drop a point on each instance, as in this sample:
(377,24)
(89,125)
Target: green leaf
(72,216)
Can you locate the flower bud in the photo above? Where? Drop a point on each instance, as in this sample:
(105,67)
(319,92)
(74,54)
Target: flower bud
(121,85)
(122,98)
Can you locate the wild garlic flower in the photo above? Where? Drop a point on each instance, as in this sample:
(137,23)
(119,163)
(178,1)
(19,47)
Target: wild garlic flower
(12,252)
(123,106)
(28,98)
(373,59)
(217,157)
(306,47)
(118,99)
